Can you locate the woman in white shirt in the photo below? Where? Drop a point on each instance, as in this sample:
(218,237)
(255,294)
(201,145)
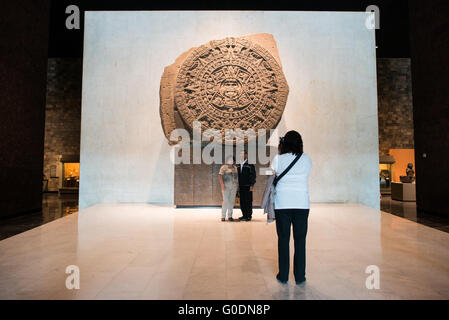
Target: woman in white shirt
(292,205)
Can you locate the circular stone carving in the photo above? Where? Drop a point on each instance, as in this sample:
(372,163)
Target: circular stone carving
(231,84)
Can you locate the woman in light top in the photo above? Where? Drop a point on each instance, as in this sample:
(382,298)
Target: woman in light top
(292,205)
(228,178)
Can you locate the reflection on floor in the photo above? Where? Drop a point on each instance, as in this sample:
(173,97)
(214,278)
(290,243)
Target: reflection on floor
(57,206)
(142,251)
(408,211)
(54,206)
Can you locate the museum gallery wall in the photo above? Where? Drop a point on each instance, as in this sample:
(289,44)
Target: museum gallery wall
(329,64)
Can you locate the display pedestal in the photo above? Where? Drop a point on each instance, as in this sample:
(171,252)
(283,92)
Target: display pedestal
(403,191)
(198,184)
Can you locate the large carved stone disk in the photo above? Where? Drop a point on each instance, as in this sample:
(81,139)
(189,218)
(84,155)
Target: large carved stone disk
(232,83)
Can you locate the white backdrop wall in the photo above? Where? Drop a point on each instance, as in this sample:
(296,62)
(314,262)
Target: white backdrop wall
(329,61)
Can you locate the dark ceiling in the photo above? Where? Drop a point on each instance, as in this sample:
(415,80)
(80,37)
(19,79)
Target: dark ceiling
(392,38)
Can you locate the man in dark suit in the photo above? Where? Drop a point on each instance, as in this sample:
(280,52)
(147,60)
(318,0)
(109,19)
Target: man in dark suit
(247,179)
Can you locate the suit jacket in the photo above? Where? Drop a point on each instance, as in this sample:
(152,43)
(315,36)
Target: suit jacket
(247,175)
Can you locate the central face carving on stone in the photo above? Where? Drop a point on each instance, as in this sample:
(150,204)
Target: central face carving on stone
(231,89)
(229,84)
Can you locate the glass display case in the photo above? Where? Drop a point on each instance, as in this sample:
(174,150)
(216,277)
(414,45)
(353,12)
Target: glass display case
(385,174)
(71,175)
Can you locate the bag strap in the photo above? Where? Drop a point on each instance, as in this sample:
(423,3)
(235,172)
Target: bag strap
(276,180)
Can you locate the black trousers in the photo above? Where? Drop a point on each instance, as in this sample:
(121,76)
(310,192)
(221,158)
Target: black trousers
(246,202)
(285,218)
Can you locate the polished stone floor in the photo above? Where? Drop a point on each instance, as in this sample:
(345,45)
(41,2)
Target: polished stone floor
(409,211)
(133,251)
(54,206)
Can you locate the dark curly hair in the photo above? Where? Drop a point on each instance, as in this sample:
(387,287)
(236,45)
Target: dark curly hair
(291,143)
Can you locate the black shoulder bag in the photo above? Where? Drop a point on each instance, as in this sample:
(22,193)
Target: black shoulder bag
(276,180)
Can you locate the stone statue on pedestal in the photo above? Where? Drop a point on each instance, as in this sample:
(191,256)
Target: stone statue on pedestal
(410,177)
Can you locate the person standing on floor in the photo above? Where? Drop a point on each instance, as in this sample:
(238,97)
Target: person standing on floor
(228,178)
(292,204)
(247,180)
